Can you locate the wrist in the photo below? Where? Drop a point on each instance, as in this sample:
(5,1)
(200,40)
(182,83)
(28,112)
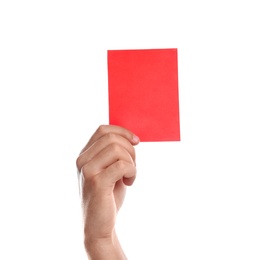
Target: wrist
(107,248)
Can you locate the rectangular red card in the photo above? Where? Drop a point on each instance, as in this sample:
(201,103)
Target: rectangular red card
(143,92)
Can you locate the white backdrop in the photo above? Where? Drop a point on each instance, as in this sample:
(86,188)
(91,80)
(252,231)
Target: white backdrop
(192,199)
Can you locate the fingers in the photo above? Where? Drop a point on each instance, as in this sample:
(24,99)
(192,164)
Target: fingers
(103,142)
(117,171)
(108,156)
(112,129)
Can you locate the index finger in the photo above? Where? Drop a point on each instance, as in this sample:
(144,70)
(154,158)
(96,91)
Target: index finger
(106,129)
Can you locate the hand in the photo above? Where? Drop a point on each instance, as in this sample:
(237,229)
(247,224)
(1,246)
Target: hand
(106,166)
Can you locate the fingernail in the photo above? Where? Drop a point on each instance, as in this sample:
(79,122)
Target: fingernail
(136,139)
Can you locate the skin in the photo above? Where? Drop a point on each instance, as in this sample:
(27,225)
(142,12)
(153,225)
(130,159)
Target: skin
(106,166)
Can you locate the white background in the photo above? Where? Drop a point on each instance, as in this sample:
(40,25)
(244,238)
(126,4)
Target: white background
(192,199)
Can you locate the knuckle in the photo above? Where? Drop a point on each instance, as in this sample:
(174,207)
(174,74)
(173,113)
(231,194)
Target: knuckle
(131,169)
(111,137)
(102,129)
(85,171)
(78,163)
(120,165)
(114,148)
(81,160)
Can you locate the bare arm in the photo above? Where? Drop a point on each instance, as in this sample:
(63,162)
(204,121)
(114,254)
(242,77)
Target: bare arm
(106,166)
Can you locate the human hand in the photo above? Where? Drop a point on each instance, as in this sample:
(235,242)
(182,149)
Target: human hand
(106,166)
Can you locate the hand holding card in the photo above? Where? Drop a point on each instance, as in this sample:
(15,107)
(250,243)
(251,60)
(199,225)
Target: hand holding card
(143,93)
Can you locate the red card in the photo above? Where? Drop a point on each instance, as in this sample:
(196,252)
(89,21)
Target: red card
(143,93)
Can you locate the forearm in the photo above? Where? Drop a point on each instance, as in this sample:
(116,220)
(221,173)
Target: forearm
(104,248)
